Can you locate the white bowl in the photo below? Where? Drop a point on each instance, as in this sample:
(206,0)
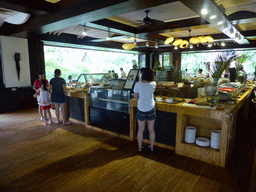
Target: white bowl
(169,100)
(159,99)
(202,141)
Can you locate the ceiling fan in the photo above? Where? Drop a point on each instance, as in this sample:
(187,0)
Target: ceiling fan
(148,21)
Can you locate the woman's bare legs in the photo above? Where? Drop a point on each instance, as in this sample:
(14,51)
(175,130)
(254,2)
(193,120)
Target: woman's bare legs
(57,111)
(140,133)
(151,133)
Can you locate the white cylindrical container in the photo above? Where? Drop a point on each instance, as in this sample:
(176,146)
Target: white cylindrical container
(215,139)
(190,134)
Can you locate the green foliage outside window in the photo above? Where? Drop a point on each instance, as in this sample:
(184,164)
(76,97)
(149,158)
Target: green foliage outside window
(73,61)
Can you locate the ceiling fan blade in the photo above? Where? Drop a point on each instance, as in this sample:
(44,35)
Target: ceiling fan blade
(157,22)
(143,26)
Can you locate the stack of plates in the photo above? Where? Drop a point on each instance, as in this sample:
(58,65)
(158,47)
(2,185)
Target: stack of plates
(190,134)
(202,141)
(215,139)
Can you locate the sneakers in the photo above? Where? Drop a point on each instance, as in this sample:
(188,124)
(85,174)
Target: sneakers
(50,121)
(42,118)
(45,123)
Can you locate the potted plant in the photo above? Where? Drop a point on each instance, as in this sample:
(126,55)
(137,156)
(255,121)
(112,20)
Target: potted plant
(218,67)
(240,60)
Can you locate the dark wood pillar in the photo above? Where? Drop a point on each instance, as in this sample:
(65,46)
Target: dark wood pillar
(176,60)
(155,57)
(36,58)
(2,86)
(148,55)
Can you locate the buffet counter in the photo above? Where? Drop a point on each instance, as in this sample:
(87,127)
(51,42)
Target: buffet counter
(172,120)
(205,119)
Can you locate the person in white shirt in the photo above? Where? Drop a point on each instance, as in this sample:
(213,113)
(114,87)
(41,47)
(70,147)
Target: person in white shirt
(123,74)
(200,73)
(144,92)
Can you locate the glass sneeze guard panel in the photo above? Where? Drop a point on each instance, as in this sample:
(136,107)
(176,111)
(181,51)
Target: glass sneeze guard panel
(115,100)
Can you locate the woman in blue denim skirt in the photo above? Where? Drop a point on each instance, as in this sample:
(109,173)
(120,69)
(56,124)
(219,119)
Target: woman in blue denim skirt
(146,111)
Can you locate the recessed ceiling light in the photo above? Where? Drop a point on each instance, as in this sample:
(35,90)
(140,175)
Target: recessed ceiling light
(210,45)
(231,31)
(147,44)
(220,23)
(213,17)
(222,44)
(191,46)
(175,47)
(204,11)
(225,25)
(237,36)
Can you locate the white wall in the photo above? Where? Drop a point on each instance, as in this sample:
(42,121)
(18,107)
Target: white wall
(10,46)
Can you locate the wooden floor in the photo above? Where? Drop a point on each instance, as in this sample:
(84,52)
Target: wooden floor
(35,158)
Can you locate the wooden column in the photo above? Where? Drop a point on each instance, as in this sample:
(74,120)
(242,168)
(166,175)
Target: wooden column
(176,60)
(36,58)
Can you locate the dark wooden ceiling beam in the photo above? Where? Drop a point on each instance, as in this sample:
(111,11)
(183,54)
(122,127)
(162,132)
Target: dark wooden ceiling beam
(115,27)
(26,6)
(249,34)
(146,33)
(86,12)
(71,39)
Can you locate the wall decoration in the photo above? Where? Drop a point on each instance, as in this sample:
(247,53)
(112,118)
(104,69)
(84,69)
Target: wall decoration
(17,61)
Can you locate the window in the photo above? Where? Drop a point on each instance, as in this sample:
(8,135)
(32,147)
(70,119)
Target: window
(74,61)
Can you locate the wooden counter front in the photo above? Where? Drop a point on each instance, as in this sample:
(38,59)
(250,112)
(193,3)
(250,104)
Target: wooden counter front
(205,120)
(85,96)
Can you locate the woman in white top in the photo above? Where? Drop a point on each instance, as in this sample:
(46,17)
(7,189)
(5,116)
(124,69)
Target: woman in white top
(45,101)
(144,92)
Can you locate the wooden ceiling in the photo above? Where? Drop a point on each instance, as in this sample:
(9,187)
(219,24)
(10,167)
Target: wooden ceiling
(64,22)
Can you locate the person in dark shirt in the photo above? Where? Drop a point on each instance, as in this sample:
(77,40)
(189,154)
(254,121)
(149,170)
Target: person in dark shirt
(58,86)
